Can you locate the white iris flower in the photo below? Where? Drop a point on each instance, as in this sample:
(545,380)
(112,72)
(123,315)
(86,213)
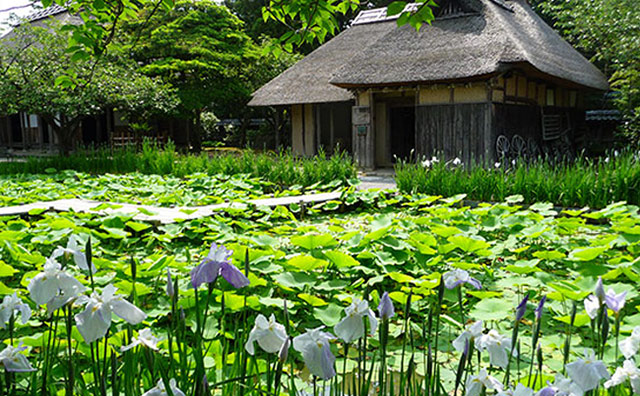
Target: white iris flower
(472,333)
(630,345)
(520,390)
(476,383)
(14,361)
(498,347)
(270,335)
(145,338)
(628,371)
(74,250)
(592,305)
(53,285)
(315,349)
(159,389)
(11,304)
(351,327)
(95,320)
(587,372)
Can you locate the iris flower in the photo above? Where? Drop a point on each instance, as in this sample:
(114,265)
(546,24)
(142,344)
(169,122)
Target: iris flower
(74,250)
(520,390)
(592,305)
(14,361)
(540,307)
(145,338)
(498,347)
(614,301)
(217,263)
(561,387)
(351,327)
(159,389)
(630,345)
(473,332)
(315,349)
(587,372)
(628,371)
(456,277)
(599,290)
(522,308)
(95,320)
(53,285)
(385,308)
(11,304)
(270,335)
(476,383)
(170,290)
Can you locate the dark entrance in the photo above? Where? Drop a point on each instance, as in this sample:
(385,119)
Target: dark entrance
(402,122)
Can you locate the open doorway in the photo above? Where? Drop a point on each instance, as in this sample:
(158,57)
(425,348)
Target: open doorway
(402,123)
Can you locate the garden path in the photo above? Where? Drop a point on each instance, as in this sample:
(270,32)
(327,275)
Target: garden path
(160,214)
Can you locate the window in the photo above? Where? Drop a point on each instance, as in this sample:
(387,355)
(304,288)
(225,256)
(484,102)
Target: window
(551,97)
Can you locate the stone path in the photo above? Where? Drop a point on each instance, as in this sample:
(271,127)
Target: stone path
(160,214)
(380,178)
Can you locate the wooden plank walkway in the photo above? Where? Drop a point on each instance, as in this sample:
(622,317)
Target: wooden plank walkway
(160,214)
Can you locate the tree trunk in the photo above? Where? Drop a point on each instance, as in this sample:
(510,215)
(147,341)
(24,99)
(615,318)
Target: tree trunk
(65,133)
(197,133)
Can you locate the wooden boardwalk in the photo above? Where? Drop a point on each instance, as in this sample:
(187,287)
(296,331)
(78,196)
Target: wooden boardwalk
(160,214)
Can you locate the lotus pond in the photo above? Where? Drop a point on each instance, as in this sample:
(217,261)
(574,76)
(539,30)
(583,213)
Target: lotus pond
(377,293)
(159,190)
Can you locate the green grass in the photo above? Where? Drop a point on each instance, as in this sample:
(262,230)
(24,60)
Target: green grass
(585,182)
(283,168)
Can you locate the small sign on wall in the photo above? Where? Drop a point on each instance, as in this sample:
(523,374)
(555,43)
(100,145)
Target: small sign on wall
(361,130)
(360,115)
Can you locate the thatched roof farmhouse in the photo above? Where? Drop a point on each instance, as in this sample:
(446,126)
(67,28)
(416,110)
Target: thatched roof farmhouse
(485,72)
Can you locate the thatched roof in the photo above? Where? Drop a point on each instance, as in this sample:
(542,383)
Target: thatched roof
(43,17)
(490,37)
(308,80)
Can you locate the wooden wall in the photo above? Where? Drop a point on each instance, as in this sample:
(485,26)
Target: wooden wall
(455,130)
(303,139)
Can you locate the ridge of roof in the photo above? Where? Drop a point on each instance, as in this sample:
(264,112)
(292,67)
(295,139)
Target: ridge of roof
(53,9)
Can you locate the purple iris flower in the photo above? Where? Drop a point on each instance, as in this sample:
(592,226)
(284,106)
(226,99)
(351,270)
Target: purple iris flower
(614,301)
(522,308)
(217,263)
(385,308)
(540,307)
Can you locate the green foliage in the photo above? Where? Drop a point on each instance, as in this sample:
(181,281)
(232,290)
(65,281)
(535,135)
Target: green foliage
(586,182)
(304,262)
(281,169)
(200,48)
(35,79)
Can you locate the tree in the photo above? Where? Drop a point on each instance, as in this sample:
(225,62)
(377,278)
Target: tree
(307,21)
(199,48)
(35,69)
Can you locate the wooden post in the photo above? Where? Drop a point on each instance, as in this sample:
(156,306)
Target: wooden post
(316,115)
(332,138)
(277,123)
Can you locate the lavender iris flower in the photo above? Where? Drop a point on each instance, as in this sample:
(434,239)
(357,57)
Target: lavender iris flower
(614,301)
(547,391)
(385,308)
(217,263)
(540,307)
(456,277)
(522,308)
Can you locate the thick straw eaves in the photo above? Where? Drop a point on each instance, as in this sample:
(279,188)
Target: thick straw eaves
(496,36)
